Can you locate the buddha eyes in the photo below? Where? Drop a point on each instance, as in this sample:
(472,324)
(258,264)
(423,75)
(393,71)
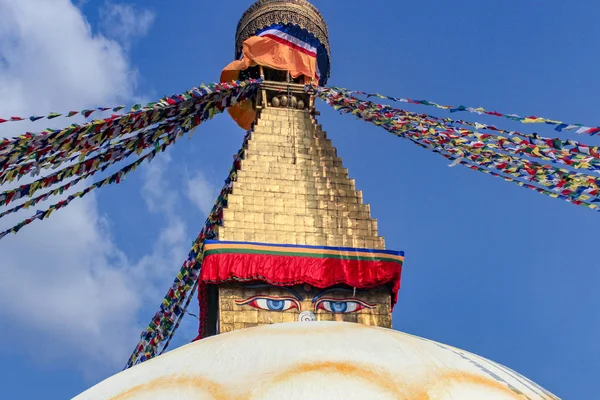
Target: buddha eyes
(341,306)
(270,303)
(331,305)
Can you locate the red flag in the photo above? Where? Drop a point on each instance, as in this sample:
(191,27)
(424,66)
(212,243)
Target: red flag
(593,131)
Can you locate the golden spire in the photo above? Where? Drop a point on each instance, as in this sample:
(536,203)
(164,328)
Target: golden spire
(291,189)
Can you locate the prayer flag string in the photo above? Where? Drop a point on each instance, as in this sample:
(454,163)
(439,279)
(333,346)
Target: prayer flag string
(558,125)
(52,147)
(570,153)
(117,177)
(426,131)
(86,113)
(184,312)
(55,160)
(573,154)
(114,154)
(502,149)
(166,320)
(458,160)
(166,136)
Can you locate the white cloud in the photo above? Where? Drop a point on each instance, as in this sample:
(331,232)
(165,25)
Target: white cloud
(156,194)
(125,22)
(52,62)
(162,199)
(64,278)
(201,192)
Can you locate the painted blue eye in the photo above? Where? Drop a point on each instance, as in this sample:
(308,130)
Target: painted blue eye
(338,306)
(269,304)
(342,306)
(275,305)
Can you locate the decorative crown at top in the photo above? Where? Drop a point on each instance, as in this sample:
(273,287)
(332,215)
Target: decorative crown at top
(265,13)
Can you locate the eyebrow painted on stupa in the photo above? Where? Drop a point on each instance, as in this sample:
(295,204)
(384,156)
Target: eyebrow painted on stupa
(286,288)
(340,290)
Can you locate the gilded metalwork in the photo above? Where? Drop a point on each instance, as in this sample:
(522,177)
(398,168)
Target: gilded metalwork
(264,13)
(293,189)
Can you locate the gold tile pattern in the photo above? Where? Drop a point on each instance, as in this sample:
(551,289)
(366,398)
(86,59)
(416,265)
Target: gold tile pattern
(293,189)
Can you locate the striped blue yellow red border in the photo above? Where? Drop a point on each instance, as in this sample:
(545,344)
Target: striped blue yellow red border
(291,250)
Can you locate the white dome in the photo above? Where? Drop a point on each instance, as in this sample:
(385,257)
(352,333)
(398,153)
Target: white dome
(317,360)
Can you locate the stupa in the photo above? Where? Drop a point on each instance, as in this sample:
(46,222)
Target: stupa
(296,293)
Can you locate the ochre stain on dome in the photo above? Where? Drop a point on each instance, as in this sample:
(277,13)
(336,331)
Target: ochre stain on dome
(366,373)
(195,383)
(393,385)
(461,380)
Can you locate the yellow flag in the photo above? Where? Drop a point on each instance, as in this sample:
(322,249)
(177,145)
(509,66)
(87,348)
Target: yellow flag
(533,120)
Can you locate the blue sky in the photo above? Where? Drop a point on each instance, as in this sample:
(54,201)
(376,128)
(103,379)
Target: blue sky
(492,268)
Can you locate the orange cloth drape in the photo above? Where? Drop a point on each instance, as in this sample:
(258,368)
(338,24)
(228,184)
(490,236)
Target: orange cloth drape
(272,54)
(265,51)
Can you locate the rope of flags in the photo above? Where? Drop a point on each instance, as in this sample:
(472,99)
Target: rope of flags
(166,320)
(52,147)
(457,160)
(86,113)
(117,177)
(558,125)
(100,162)
(158,131)
(505,148)
(572,154)
(87,169)
(34,167)
(450,141)
(184,312)
(569,152)
(564,146)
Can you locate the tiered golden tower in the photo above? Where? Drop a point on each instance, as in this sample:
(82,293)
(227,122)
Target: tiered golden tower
(292,188)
